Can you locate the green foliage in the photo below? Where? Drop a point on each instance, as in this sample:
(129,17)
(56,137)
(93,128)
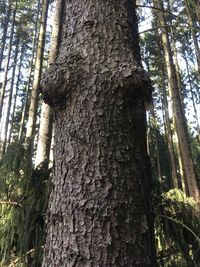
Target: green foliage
(177,230)
(22,218)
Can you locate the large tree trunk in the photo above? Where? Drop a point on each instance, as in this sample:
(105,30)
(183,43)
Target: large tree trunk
(180,122)
(99,213)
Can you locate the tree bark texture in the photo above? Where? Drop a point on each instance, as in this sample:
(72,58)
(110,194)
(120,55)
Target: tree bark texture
(178,112)
(99,212)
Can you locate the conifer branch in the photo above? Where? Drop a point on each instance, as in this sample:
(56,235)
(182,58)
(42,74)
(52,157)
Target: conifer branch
(14,203)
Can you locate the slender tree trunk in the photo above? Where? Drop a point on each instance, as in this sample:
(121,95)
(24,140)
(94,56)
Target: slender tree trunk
(10,96)
(26,102)
(8,60)
(167,124)
(192,96)
(46,121)
(15,96)
(4,36)
(194,35)
(169,139)
(32,115)
(155,133)
(178,112)
(99,213)
(44,138)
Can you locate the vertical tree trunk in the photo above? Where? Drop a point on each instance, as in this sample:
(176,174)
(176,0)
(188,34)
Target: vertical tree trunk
(27,90)
(178,112)
(46,121)
(194,35)
(5,29)
(192,96)
(15,96)
(169,138)
(37,74)
(99,213)
(8,60)
(10,95)
(167,124)
(44,138)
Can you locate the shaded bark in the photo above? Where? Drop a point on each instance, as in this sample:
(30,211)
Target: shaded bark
(99,213)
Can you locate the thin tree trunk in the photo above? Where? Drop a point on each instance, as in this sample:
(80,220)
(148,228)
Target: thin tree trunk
(4,36)
(44,138)
(192,96)
(194,35)
(168,130)
(26,102)
(169,139)
(178,112)
(46,121)
(15,96)
(4,143)
(32,115)
(99,213)
(8,60)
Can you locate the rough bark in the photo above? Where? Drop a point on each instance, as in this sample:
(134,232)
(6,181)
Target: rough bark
(180,122)
(32,114)
(99,213)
